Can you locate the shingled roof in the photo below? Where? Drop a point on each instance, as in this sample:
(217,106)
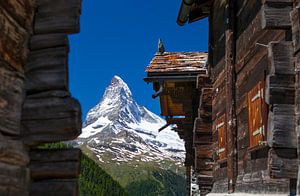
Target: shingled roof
(178,62)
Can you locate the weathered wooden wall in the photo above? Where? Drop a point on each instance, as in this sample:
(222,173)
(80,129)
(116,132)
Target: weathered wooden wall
(202,138)
(263,52)
(295,23)
(15,23)
(49,113)
(35,102)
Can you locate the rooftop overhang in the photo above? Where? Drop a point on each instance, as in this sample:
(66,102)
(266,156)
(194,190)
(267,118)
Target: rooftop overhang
(193,10)
(175,76)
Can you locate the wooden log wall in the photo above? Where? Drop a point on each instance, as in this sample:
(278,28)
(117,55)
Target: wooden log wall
(202,138)
(16,27)
(49,113)
(264,52)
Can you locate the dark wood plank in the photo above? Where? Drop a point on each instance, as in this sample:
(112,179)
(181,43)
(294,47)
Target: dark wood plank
(13,152)
(281,58)
(13,38)
(13,179)
(46,70)
(45,41)
(282,167)
(55,155)
(231,126)
(51,170)
(280,89)
(281,125)
(56,187)
(61,115)
(295,20)
(55,16)
(276,15)
(11,96)
(21,11)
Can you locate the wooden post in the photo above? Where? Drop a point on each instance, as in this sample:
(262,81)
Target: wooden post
(230,96)
(188,179)
(295,22)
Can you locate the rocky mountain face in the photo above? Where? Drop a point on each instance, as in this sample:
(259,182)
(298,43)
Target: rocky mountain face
(117,124)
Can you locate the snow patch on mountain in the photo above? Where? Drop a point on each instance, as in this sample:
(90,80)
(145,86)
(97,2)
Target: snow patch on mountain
(117,124)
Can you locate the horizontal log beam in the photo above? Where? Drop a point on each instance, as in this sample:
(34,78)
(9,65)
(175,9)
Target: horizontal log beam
(54,187)
(45,41)
(281,125)
(282,167)
(56,16)
(51,170)
(46,70)
(276,14)
(61,115)
(280,89)
(281,58)
(55,155)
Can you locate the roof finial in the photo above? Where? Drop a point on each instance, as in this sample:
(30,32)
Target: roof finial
(161,48)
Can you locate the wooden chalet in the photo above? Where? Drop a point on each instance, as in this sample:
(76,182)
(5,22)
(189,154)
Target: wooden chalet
(175,77)
(253,51)
(35,103)
(246,130)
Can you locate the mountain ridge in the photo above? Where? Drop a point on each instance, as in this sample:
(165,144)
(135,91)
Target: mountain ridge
(122,137)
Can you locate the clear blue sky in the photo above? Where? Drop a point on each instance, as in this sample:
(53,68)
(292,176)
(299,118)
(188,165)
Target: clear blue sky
(120,38)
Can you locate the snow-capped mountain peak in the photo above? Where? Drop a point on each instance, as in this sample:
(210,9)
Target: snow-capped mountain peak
(117,87)
(118,118)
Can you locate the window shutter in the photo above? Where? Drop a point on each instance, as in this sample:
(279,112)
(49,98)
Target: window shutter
(221,129)
(257,115)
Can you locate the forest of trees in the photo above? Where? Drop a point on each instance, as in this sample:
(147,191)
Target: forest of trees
(94,181)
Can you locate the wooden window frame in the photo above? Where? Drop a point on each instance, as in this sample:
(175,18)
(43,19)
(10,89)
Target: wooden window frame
(220,127)
(257,116)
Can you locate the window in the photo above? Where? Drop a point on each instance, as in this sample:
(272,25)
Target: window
(221,129)
(257,115)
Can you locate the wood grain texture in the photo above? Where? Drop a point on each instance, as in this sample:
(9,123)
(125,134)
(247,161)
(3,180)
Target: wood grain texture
(61,115)
(295,20)
(13,39)
(14,180)
(45,41)
(280,167)
(21,11)
(11,96)
(276,15)
(55,16)
(281,123)
(13,152)
(47,69)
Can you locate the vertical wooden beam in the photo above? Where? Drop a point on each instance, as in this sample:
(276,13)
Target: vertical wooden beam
(295,22)
(188,179)
(230,96)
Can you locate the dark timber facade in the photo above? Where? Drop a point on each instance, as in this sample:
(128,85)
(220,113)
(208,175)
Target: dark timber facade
(246,128)
(35,103)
